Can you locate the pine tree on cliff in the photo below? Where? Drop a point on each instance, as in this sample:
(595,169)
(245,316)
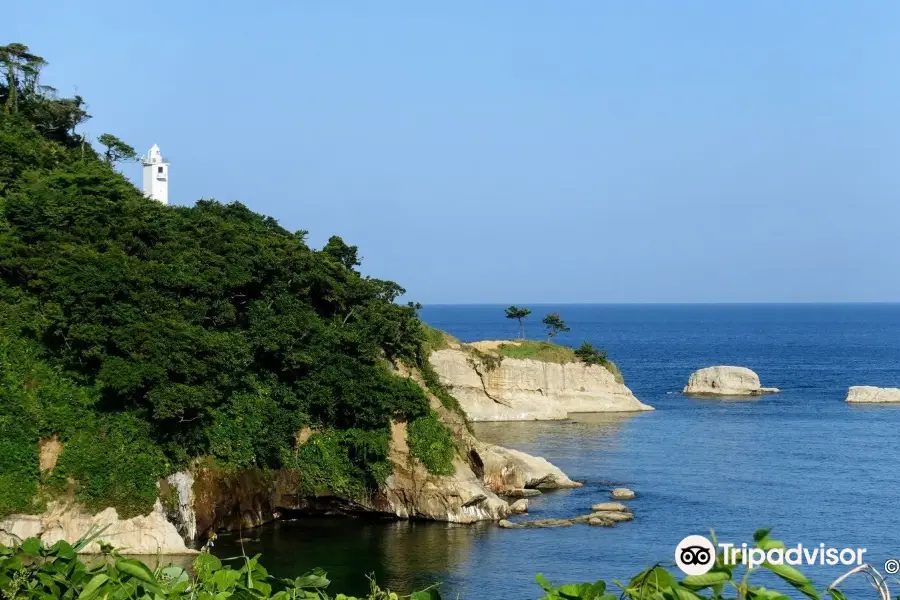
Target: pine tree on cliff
(555,325)
(519,314)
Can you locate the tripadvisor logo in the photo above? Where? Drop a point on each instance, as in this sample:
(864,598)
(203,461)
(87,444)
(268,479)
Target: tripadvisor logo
(696,555)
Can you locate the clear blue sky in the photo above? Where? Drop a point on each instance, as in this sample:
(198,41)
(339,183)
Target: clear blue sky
(579,151)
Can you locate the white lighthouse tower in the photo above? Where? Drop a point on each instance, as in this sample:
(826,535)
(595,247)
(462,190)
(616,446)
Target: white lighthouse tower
(156,175)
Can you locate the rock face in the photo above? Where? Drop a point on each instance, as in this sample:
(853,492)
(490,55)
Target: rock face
(506,469)
(872,395)
(726,381)
(150,534)
(412,492)
(524,389)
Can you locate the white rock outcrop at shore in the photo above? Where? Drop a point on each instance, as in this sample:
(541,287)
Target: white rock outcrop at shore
(726,381)
(868,394)
(512,389)
(151,534)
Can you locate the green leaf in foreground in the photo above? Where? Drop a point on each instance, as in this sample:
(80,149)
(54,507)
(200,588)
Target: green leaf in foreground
(93,585)
(136,569)
(714,577)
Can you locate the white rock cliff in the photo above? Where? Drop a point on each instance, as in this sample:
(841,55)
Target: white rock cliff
(526,390)
(150,534)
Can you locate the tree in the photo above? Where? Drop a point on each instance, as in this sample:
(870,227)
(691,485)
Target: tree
(555,325)
(21,68)
(116,149)
(590,355)
(337,249)
(519,314)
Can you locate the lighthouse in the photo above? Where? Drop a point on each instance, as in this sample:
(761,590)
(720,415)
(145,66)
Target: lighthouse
(156,175)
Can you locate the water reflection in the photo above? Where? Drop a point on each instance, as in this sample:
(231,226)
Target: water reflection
(402,555)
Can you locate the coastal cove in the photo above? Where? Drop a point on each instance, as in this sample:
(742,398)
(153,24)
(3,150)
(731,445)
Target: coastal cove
(803,461)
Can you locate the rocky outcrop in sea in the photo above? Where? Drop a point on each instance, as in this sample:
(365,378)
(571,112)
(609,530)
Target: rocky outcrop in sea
(726,381)
(868,394)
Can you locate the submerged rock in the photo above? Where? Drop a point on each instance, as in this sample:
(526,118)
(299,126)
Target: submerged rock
(512,389)
(872,395)
(598,522)
(621,494)
(612,515)
(540,523)
(725,381)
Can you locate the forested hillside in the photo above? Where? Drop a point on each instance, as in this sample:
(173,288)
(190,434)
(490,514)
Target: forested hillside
(144,335)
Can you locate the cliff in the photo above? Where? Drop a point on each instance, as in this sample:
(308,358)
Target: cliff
(492,387)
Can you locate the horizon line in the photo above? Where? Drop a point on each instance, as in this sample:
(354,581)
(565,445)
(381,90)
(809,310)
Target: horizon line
(726,303)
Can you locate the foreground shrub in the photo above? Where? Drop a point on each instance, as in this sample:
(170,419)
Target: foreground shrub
(30,572)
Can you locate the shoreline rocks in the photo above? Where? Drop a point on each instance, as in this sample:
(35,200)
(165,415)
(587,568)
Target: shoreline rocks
(726,381)
(616,513)
(868,394)
(498,388)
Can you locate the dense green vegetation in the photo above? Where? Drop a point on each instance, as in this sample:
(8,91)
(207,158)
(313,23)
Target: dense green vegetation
(145,336)
(31,572)
(431,443)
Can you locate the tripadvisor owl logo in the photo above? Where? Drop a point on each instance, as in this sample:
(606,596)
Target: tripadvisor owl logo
(695,555)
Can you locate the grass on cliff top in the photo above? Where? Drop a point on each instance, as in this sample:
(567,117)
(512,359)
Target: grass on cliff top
(543,351)
(435,339)
(549,352)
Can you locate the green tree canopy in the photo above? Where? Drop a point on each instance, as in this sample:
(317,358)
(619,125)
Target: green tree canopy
(555,325)
(519,314)
(116,149)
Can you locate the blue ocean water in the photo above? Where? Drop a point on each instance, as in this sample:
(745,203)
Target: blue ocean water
(803,462)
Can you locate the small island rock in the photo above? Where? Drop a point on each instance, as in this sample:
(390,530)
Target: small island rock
(598,522)
(621,494)
(869,394)
(611,506)
(726,381)
(519,506)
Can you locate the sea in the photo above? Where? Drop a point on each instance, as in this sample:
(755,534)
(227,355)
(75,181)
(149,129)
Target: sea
(802,462)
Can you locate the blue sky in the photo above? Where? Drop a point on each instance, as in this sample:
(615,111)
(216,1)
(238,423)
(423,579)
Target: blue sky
(510,151)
